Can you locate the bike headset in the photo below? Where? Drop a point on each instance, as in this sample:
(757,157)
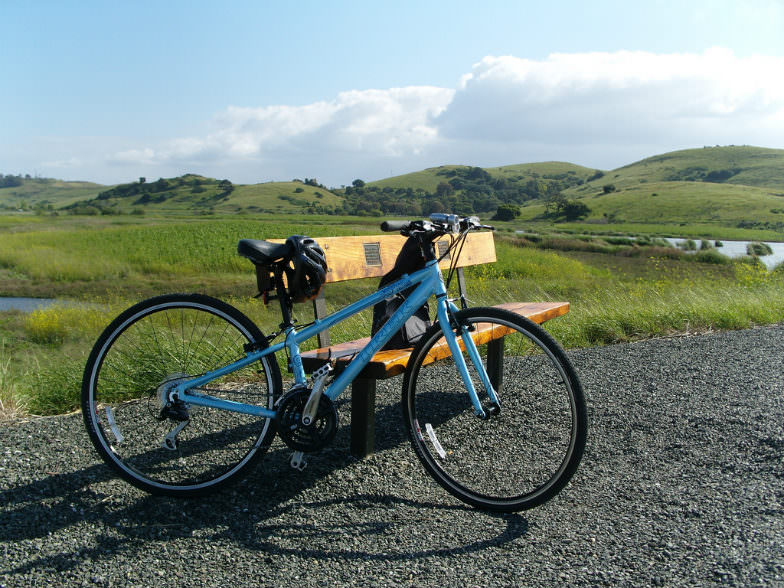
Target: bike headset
(309,273)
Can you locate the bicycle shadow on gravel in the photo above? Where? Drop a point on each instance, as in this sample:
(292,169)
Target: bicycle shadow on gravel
(264,513)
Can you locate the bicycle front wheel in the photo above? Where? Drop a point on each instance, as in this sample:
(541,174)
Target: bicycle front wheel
(526,450)
(171,449)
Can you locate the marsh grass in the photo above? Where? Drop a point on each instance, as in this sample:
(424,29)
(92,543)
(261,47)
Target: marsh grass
(11,404)
(617,293)
(57,323)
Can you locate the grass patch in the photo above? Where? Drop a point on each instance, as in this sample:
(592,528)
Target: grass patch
(11,404)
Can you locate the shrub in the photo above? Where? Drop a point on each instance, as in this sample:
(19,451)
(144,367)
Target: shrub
(506,212)
(711,256)
(758,248)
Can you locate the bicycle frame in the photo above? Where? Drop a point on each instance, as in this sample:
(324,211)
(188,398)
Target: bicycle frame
(430,282)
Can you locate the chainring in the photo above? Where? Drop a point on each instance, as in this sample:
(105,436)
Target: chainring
(306,438)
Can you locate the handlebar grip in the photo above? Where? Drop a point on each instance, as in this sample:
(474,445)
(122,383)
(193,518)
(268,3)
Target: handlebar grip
(393,226)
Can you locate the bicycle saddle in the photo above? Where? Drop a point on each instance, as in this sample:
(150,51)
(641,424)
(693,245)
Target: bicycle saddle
(263,252)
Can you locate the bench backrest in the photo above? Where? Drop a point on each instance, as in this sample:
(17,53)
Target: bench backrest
(371,256)
(350,258)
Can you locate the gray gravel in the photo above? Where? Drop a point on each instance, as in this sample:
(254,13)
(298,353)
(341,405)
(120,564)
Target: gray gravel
(682,484)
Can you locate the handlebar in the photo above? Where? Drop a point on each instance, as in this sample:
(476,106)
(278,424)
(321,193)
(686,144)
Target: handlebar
(394,226)
(439,223)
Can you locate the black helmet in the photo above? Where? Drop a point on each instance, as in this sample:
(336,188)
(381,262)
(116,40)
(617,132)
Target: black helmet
(310,268)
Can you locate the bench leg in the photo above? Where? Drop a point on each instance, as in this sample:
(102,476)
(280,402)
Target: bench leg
(363,417)
(495,363)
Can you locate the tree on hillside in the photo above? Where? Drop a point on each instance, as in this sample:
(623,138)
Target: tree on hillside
(226,186)
(433,206)
(506,212)
(557,201)
(574,210)
(444,189)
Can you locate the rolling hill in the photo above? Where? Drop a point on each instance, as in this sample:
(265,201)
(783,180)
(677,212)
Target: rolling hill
(734,186)
(429,179)
(42,192)
(193,193)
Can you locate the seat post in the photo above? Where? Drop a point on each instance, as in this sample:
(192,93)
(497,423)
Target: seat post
(283,298)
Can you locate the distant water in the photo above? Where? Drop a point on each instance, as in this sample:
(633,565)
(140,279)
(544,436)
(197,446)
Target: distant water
(25,304)
(738,249)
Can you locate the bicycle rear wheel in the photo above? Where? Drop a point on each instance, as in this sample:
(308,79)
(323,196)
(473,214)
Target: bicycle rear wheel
(527,452)
(177,450)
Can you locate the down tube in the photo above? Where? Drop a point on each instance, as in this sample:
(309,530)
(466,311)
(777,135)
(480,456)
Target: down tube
(395,322)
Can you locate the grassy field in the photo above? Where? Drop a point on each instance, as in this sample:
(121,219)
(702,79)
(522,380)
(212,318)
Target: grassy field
(68,256)
(112,263)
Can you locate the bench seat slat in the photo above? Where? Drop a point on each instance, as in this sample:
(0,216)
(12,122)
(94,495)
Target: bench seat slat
(391,362)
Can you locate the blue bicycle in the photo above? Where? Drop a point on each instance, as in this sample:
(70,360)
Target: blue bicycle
(183,393)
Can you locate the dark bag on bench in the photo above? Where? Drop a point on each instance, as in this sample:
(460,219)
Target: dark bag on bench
(409,260)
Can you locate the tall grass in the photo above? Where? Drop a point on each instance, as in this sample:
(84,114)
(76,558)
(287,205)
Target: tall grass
(10,400)
(192,248)
(613,298)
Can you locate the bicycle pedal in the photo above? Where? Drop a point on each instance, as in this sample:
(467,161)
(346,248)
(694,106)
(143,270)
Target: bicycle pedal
(298,461)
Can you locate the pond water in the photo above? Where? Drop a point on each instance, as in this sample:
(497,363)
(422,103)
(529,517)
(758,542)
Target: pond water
(738,249)
(24,304)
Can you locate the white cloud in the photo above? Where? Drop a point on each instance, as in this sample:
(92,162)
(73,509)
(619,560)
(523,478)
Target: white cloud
(617,97)
(597,109)
(390,122)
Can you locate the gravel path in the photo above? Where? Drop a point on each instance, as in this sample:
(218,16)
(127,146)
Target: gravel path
(682,484)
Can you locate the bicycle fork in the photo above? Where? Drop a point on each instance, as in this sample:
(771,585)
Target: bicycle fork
(448,327)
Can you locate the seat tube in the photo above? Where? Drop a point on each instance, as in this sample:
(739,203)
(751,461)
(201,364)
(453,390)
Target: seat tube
(457,354)
(295,360)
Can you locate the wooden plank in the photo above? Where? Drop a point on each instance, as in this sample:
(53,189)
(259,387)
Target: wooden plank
(391,362)
(371,256)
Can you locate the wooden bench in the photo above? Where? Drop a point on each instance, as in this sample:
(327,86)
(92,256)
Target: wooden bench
(351,258)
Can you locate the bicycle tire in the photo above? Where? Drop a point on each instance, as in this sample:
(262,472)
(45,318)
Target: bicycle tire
(156,342)
(516,459)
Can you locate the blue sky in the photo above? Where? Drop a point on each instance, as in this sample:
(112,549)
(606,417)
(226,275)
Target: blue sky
(254,91)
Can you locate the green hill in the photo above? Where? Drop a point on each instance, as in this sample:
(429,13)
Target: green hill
(681,202)
(429,179)
(748,166)
(30,193)
(733,186)
(193,193)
